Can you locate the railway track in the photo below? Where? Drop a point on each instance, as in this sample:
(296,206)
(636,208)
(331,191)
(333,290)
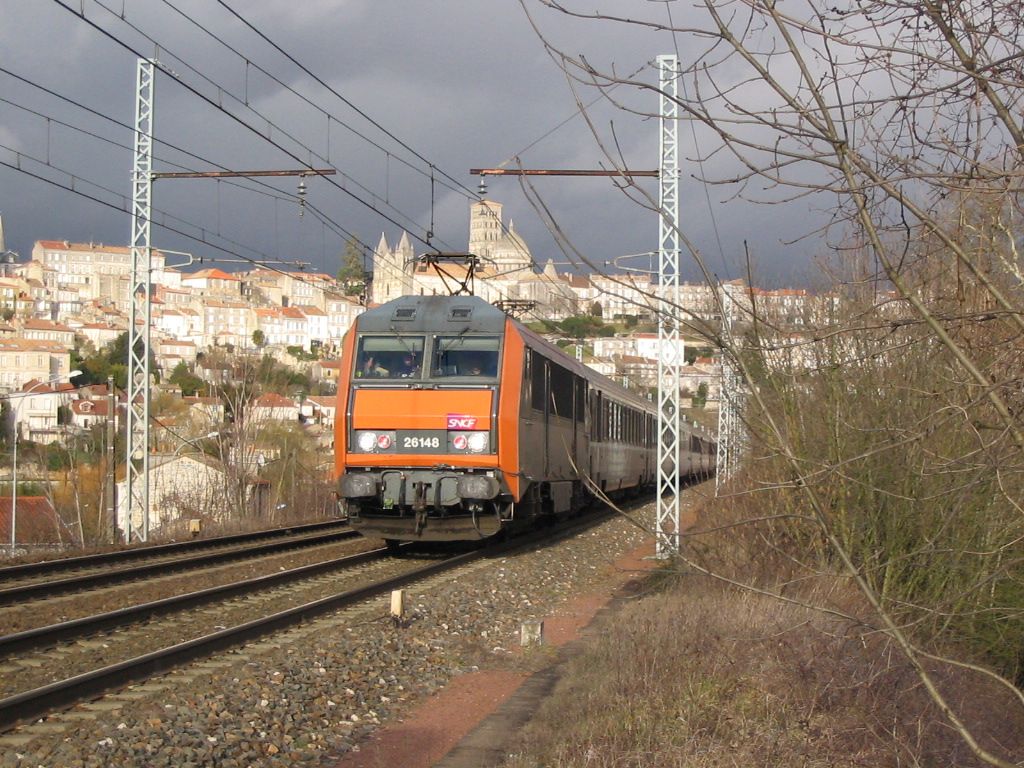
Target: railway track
(155,638)
(61,564)
(36,581)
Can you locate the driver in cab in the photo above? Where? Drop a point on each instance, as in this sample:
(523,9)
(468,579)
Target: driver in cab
(472,365)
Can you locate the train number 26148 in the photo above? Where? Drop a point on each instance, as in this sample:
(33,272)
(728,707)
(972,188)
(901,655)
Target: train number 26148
(421,442)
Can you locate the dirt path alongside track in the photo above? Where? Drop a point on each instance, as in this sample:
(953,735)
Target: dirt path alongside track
(473,721)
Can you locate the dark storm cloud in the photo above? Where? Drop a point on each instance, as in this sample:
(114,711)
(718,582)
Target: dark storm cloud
(464,83)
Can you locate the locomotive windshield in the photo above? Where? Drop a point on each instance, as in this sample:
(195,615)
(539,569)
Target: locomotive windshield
(390,357)
(465,356)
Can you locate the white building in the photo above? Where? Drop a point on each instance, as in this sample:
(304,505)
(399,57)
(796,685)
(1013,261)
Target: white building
(47,330)
(646,345)
(213,282)
(34,410)
(273,407)
(227,322)
(97,271)
(317,325)
(184,486)
(342,311)
(23,360)
(99,334)
(185,324)
(320,410)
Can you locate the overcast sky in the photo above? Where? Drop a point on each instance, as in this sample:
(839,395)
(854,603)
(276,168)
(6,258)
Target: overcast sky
(460,83)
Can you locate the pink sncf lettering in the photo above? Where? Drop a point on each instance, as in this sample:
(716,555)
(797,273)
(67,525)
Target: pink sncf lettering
(461,421)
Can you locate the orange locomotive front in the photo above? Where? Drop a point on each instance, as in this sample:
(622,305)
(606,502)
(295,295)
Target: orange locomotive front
(426,436)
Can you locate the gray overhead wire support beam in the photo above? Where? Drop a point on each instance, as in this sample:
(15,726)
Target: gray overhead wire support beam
(137,444)
(669,362)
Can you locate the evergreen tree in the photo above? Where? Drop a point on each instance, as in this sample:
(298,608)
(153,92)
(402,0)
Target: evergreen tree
(352,274)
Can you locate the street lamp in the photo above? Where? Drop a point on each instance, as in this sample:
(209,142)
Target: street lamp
(14,466)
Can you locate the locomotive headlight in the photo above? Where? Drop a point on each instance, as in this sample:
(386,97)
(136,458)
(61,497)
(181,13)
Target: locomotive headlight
(477,442)
(460,442)
(366,441)
(384,441)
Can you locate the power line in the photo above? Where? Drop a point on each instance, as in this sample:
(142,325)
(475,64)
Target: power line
(333,225)
(233,116)
(696,144)
(220,108)
(236,118)
(255,262)
(76,178)
(459,186)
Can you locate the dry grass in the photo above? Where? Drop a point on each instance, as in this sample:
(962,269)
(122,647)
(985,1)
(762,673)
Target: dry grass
(700,673)
(709,675)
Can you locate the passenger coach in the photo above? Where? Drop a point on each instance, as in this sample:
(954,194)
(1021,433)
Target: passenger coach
(460,422)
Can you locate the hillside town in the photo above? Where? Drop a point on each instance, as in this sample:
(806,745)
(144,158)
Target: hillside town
(264,342)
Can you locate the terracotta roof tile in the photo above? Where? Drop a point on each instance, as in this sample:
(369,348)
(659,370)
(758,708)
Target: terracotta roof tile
(273,400)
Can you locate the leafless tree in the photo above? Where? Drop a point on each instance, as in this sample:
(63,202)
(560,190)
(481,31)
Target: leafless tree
(894,441)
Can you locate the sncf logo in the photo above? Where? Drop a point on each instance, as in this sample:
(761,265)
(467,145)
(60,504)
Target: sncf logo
(461,421)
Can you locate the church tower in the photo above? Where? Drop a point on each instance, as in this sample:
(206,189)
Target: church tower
(484,227)
(392,270)
(500,251)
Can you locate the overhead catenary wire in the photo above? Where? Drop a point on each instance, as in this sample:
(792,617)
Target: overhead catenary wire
(431,165)
(256,262)
(270,191)
(335,226)
(263,264)
(238,119)
(233,116)
(266,262)
(272,126)
(203,239)
(696,143)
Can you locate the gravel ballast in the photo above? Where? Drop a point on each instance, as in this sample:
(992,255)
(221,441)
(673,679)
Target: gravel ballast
(310,695)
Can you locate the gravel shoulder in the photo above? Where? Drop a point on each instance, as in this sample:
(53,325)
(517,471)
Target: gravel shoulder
(470,722)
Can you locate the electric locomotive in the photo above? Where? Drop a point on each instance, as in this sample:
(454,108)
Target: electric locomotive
(457,422)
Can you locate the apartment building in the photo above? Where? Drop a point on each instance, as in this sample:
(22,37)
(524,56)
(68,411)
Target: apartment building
(95,270)
(213,282)
(646,345)
(624,294)
(24,360)
(227,322)
(47,330)
(10,290)
(342,311)
(99,334)
(35,408)
(317,326)
(273,407)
